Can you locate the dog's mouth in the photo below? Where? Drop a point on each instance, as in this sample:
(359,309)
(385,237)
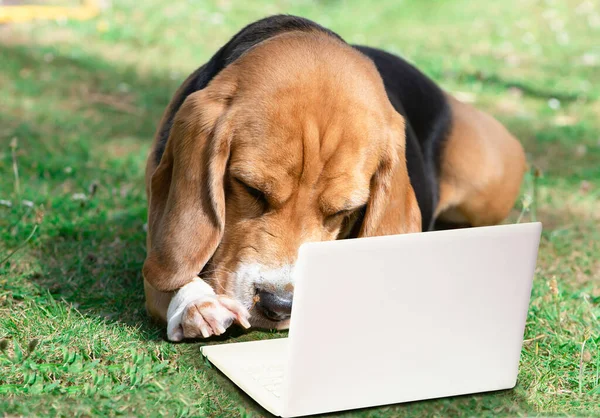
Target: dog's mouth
(259,321)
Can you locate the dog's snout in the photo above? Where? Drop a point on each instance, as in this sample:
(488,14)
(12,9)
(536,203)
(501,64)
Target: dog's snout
(275,307)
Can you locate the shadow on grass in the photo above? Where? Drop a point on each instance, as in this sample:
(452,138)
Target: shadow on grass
(90,252)
(527,88)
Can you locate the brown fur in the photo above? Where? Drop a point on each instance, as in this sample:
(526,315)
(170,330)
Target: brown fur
(264,120)
(482,169)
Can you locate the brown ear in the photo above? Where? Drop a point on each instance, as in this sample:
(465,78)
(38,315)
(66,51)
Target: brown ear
(187,204)
(392,207)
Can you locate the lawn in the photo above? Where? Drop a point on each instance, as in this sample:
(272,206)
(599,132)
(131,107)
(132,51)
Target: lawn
(79,105)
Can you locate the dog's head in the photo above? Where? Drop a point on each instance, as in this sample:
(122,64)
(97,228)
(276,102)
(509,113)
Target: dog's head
(295,141)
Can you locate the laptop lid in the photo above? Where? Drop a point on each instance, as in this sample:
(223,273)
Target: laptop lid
(406,317)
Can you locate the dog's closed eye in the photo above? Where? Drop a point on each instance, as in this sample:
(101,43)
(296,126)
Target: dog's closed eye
(339,214)
(344,213)
(258,196)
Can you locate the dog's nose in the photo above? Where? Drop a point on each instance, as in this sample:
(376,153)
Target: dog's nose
(276,307)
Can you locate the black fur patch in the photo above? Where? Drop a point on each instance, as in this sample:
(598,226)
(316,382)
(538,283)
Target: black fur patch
(413,95)
(428,119)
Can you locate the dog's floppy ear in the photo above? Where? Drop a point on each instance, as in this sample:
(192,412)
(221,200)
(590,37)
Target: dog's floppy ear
(187,203)
(392,207)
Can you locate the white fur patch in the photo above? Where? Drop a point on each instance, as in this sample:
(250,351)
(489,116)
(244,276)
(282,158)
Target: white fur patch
(197,290)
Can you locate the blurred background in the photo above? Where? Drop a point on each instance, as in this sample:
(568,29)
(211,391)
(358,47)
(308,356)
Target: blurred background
(82,88)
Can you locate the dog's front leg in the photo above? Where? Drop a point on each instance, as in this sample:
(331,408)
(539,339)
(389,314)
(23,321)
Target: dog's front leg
(195,311)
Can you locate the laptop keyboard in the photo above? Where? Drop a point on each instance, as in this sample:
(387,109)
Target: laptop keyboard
(269,376)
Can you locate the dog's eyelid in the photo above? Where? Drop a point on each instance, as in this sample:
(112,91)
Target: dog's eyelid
(252,191)
(341,212)
(245,185)
(263,186)
(345,212)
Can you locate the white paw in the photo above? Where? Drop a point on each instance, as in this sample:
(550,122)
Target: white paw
(196,311)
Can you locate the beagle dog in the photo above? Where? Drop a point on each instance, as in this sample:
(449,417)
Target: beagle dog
(289,135)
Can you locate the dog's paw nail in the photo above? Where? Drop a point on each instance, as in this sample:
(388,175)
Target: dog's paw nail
(244,322)
(204,331)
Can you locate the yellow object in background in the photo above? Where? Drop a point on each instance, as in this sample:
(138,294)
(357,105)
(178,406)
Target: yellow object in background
(25,13)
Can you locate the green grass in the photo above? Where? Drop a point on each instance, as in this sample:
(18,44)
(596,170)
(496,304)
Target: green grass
(82,100)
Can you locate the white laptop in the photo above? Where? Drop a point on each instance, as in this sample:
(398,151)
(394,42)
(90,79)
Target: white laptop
(393,319)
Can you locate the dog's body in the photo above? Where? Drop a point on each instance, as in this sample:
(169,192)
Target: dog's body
(288,135)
